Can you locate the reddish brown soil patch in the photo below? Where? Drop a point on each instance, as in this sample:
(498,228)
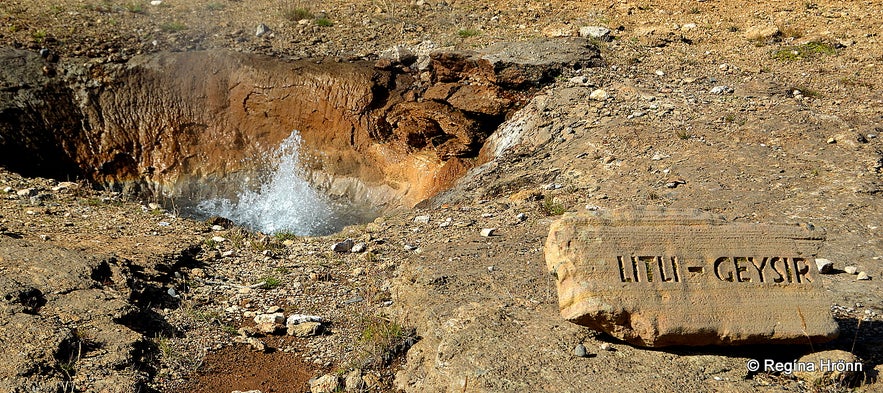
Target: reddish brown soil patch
(240,368)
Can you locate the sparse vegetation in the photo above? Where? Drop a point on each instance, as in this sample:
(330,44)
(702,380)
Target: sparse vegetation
(284,235)
(230,329)
(103,7)
(172,27)
(210,244)
(552,208)
(380,340)
(214,7)
(466,33)
(134,7)
(807,50)
(39,35)
(324,22)
(164,345)
(297,13)
(207,316)
(270,282)
(283,270)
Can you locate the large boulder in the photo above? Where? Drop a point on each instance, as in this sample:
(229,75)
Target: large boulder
(655,278)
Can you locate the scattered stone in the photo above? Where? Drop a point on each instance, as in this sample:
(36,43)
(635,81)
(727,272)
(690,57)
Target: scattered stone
(353,381)
(305,329)
(268,328)
(599,95)
(688,26)
(410,247)
(580,351)
(675,183)
(295,319)
(26,192)
(558,30)
(524,63)
(155,2)
(762,33)
(277,318)
(262,30)
(217,228)
(247,391)
(825,266)
(521,217)
(327,383)
(850,270)
(597,32)
(359,271)
(65,185)
(254,342)
(371,380)
(8,190)
(720,90)
(659,73)
(863,276)
(224,223)
(487,232)
(399,55)
(218,239)
(421,219)
(344,246)
(665,277)
(171,292)
(607,347)
(359,247)
(841,368)
(832,141)
(580,80)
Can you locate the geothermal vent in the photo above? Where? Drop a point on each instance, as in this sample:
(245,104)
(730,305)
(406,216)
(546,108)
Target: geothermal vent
(251,136)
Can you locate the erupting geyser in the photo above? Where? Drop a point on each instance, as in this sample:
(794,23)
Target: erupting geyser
(283,201)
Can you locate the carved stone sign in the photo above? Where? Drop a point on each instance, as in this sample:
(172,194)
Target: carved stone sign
(655,277)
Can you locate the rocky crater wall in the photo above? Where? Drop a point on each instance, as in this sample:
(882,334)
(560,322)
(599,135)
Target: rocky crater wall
(390,133)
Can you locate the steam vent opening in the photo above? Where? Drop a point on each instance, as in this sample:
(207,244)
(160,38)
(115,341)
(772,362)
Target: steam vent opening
(301,146)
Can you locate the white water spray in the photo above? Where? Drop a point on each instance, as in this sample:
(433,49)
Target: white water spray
(284,202)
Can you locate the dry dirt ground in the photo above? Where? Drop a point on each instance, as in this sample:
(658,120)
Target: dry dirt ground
(796,140)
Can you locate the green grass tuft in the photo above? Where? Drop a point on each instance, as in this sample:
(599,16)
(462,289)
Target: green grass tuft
(466,33)
(271,282)
(552,208)
(171,27)
(804,51)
